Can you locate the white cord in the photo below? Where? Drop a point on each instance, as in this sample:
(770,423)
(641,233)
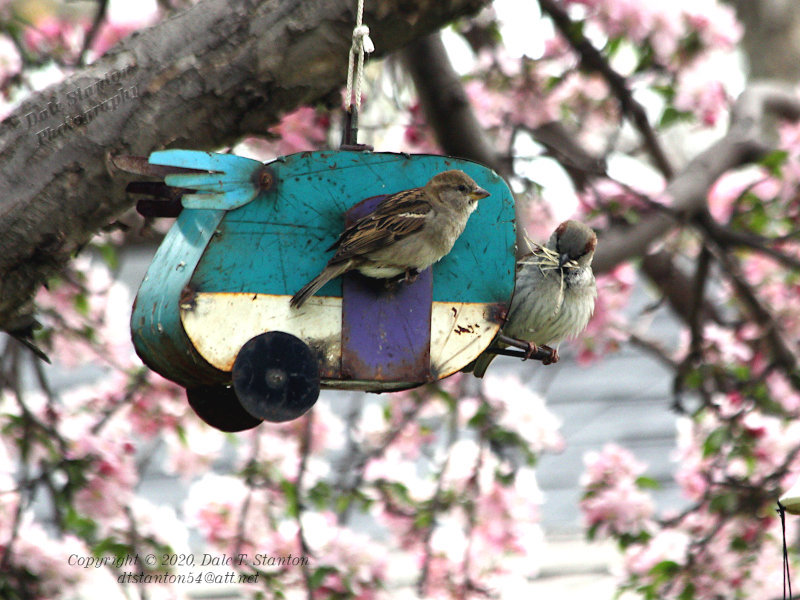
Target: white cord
(361,44)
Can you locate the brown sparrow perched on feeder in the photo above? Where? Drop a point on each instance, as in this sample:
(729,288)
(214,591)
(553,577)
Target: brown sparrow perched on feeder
(554,294)
(405,234)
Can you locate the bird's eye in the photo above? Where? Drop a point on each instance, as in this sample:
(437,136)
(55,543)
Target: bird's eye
(462,188)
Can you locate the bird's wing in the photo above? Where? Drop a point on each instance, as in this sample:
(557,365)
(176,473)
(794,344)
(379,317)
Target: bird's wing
(395,218)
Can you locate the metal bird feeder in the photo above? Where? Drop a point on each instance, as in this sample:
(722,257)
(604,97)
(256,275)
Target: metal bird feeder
(213,315)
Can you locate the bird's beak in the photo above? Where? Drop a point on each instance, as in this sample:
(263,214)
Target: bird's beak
(478,193)
(563,259)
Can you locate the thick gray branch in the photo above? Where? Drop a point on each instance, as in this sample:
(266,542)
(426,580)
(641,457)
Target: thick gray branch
(202,79)
(446,106)
(745,141)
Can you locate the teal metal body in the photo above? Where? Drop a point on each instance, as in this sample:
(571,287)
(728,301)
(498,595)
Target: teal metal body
(264,230)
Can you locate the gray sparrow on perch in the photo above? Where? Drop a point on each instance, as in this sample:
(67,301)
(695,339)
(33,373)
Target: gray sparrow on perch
(405,234)
(553,297)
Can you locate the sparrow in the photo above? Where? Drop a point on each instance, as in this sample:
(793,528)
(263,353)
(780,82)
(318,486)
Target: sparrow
(554,295)
(405,234)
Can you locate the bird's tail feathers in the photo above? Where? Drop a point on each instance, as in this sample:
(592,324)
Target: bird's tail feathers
(312,287)
(480,364)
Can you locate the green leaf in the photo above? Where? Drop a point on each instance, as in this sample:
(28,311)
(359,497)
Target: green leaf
(481,416)
(724,503)
(647,483)
(738,544)
(693,379)
(320,495)
(688,592)
(613,45)
(714,441)
(81,303)
(399,492)
(292,500)
(423,519)
(666,569)
(80,525)
(110,256)
(672,115)
(318,575)
(110,546)
(774,161)
(342,503)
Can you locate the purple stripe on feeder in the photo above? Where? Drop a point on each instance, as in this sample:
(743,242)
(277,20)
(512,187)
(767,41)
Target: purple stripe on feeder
(386,330)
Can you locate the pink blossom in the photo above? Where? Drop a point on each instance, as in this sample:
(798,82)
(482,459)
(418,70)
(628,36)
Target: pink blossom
(731,185)
(159,522)
(716,23)
(607,327)
(47,559)
(712,570)
(462,463)
(9,495)
(110,477)
(725,345)
(664,25)
(623,509)
(666,545)
(393,467)
(524,412)
(10,60)
(696,93)
(450,541)
(509,527)
(302,129)
(537,218)
(608,467)
(359,563)
(156,405)
(47,35)
(194,450)
(122,20)
(489,106)
(214,504)
(783,392)
(414,436)
(418,136)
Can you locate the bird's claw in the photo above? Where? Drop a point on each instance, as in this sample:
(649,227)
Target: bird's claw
(532,348)
(553,358)
(411,275)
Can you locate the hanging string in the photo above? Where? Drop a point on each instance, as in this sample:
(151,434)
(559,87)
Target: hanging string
(362,44)
(787,581)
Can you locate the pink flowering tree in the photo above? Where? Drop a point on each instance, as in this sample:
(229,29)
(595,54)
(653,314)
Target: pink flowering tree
(445,474)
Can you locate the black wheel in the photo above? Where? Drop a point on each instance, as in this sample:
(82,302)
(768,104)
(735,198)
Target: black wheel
(218,406)
(276,377)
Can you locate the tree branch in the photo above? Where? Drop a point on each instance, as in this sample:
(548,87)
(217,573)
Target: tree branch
(202,79)
(745,141)
(726,237)
(783,355)
(446,106)
(593,60)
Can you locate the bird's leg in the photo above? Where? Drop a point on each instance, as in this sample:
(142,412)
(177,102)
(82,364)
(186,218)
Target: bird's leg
(529,347)
(411,275)
(553,358)
(546,354)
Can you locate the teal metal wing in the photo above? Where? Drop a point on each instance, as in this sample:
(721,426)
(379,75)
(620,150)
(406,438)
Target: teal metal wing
(231,183)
